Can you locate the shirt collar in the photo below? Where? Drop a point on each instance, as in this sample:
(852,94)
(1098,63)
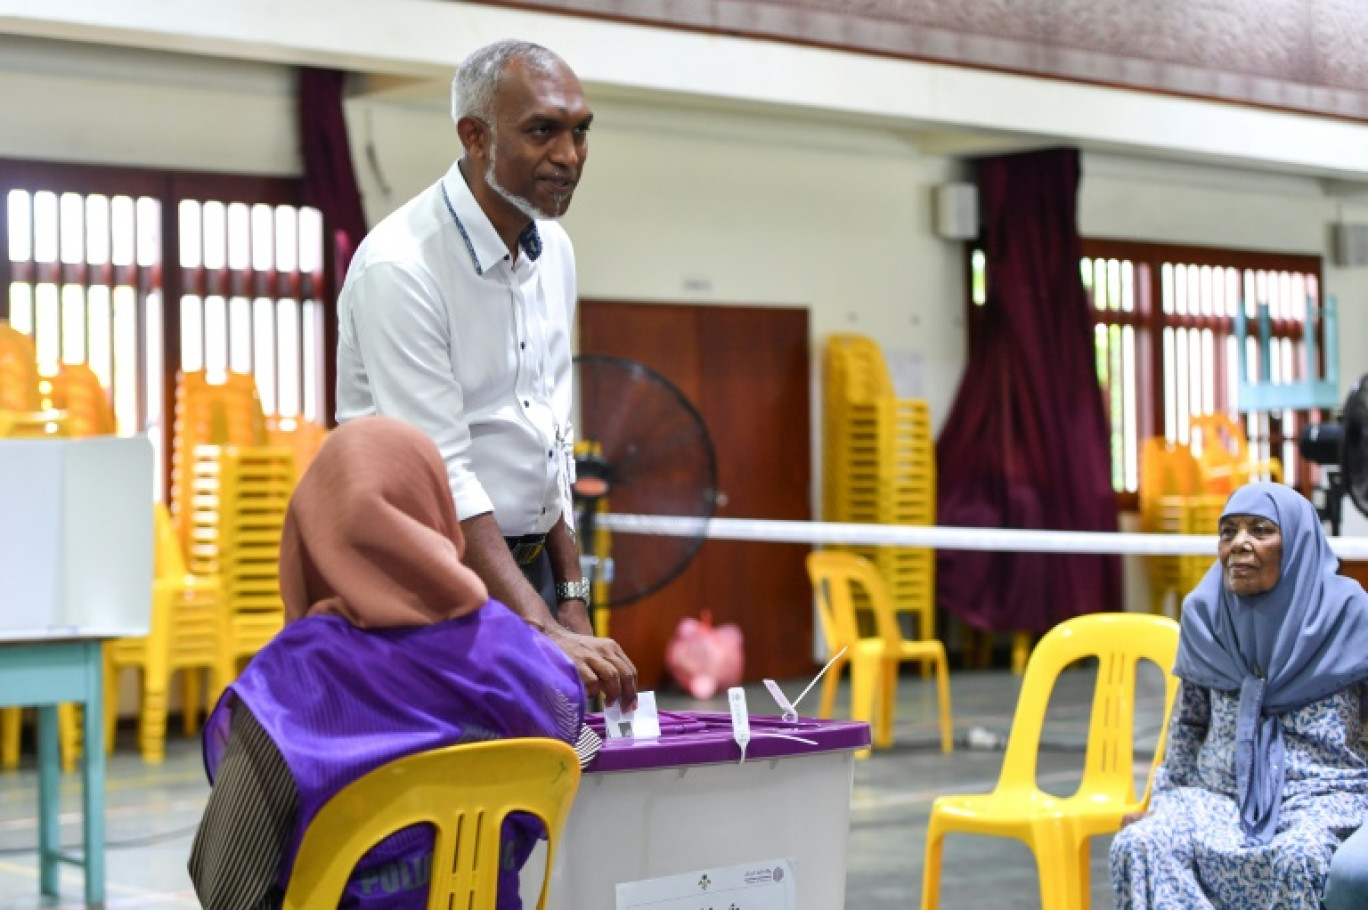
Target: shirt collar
(482,241)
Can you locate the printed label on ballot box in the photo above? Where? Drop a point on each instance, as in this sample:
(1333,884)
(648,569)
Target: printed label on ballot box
(765,885)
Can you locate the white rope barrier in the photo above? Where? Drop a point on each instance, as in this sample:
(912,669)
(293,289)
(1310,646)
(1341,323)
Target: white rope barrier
(821,532)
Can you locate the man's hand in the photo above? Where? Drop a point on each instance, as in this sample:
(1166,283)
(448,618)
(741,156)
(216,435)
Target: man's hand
(1131,818)
(603,667)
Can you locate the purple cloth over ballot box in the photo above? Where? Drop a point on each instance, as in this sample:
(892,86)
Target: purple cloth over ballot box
(705,738)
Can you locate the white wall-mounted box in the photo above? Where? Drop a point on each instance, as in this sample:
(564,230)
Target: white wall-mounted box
(75,537)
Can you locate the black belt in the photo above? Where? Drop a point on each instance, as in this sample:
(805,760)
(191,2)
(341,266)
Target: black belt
(527,548)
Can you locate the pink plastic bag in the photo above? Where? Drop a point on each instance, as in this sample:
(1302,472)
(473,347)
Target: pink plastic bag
(703,659)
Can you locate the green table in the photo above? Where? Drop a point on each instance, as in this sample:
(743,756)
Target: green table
(44,672)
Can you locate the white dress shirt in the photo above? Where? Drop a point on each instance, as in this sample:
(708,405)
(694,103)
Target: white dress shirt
(438,327)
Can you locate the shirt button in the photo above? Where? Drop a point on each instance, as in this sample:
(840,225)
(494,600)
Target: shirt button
(550,453)
(523,345)
(543,510)
(527,404)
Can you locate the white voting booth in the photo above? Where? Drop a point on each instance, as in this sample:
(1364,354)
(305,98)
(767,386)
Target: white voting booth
(75,569)
(75,538)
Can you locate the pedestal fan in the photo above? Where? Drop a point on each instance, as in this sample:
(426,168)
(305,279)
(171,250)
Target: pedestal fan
(1342,449)
(644,450)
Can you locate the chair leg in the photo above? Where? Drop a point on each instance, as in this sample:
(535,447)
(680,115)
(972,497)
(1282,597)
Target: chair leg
(887,701)
(864,673)
(1021,652)
(152,724)
(1054,865)
(69,735)
(931,865)
(192,697)
(1083,896)
(947,721)
(111,703)
(11,726)
(926,632)
(830,683)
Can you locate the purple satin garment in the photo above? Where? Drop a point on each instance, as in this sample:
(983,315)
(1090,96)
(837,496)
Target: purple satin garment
(339,701)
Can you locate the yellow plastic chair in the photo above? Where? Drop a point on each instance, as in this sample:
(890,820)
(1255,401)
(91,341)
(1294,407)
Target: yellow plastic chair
(836,578)
(76,391)
(223,413)
(303,437)
(1224,461)
(1057,829)
(18,370)
(186,634)
(464,792)
(1169,478)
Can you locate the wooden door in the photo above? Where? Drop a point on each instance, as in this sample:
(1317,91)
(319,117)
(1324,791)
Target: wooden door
(746,371)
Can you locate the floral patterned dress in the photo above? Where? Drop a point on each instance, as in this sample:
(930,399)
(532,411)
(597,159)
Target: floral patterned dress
(1190,853)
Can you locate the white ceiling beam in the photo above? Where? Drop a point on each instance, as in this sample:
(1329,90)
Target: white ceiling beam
(426,38)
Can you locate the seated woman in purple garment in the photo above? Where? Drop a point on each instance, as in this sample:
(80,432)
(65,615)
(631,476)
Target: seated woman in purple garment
(1266,772)
(391,647)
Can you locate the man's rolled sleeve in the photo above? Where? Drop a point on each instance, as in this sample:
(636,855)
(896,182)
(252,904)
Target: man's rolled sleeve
(400,331)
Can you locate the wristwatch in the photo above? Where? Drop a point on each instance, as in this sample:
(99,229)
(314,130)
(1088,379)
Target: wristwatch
(573,590)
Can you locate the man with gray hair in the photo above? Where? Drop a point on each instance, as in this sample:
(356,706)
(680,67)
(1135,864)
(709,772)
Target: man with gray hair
(455,317)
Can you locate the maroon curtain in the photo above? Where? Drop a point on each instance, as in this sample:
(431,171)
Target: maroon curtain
(1026,443)
(329,180)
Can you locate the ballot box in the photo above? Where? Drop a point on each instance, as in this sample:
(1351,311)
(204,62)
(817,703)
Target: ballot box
(685,803)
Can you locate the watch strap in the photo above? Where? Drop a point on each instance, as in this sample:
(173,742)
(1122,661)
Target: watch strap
(573,590)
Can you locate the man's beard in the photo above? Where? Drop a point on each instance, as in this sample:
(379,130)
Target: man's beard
(521,203)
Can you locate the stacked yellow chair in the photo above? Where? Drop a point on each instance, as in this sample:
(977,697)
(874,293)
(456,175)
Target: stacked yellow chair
(229,530)
(874,659)
(1058,829)
(76,392)
(222,413)
(1224,462)
(303,437)
(237,504)
(1183,494)
(22,415)
(186,634)
(879,466)
(18,371)
(1170,480)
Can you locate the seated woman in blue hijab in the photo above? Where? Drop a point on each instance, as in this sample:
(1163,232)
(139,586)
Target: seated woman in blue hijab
(1266,772)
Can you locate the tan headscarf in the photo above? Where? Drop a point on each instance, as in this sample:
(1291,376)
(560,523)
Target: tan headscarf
(371,534)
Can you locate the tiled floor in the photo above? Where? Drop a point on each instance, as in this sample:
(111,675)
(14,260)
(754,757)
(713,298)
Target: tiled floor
(153,811)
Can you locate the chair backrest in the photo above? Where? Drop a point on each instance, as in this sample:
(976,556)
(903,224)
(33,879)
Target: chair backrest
(302,436)
(18,370)
(836,577)
(1119,641)
(1224,459)
(464,792)
(1166,469)
(76,391)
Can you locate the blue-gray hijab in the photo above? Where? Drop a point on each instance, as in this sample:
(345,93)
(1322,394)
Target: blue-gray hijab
(1304,640)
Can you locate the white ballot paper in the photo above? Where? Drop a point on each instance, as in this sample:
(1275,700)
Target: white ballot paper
(766,885)
(641,723)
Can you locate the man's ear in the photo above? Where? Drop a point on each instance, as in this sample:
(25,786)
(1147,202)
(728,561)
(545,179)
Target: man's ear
(474,135)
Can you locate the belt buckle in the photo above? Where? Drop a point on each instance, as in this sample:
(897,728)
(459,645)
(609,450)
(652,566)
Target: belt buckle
(526,551)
